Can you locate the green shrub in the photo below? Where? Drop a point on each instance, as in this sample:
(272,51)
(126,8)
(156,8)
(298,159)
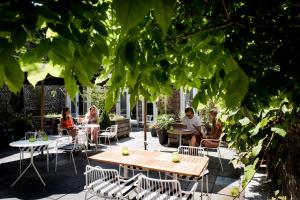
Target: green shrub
(104,120)
(21,126)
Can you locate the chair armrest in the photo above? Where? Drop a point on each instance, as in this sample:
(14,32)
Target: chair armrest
(212,140)
(193,189)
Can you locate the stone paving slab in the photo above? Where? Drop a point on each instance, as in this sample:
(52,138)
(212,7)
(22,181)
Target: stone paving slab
(65,184)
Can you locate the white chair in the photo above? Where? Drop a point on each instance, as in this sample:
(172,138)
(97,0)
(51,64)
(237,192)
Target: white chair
(107,184)
(71,145)
(218,142)
(133,169)
(110,132)
(157,189)
(193,151)
(28,135)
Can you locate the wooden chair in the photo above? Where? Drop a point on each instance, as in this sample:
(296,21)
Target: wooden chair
(157,189)
(107,184)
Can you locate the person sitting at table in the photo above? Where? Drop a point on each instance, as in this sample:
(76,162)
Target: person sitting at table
(66,122)
(191,122)
(92,117)
(216,130)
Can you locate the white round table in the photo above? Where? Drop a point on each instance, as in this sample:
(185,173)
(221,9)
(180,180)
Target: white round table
(88,126)
(91,126)
(32,146)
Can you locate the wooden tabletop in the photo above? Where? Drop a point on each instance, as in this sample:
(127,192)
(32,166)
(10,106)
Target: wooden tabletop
(156,161)
(180,131)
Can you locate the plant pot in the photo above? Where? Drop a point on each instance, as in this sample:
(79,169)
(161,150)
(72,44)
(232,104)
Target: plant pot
(153,132)
(162,136)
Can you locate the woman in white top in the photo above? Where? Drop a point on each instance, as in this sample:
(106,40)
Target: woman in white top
(92,117)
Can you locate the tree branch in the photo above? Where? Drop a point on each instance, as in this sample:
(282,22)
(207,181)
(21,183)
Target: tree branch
(225,10)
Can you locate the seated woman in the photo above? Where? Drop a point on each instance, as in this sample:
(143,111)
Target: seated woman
(66,122)
(216,130)
(92,117)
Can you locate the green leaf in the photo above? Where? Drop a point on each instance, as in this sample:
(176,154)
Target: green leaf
(131,12)
(100,28)
(110,100)
(130,53)
(237,84)
(256,150)
(245,121)
(278,129)
(70,82)
(19,36)
(34,76)
(163,12)
(62,30)
(254,131)
(13,76)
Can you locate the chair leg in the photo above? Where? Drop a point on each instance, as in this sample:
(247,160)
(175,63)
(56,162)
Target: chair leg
(87,156)
(74,163)
(85,195)
(220,159)
(201,187)
(56,161)
(47,160)
(206,185)
(21,158)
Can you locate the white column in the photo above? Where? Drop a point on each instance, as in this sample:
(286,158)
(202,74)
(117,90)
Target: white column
(155,111)
(128,114)
(118,106)
(68,101)
(88,98)
(194,92)
(182,100)
(143,110)
(77,103)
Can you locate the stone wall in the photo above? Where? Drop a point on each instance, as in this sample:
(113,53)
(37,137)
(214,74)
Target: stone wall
(54,99)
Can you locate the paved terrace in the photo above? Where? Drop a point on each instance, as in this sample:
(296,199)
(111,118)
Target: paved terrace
(65,184)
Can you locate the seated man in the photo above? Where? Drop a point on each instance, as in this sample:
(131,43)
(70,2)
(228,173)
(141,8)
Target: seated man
(191,122)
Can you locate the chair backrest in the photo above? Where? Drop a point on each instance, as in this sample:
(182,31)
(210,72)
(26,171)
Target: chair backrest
(114,130)
(63,141)
(149,118)
(192,151)
(81,138)
(105,179)
(30,134)
(158,188)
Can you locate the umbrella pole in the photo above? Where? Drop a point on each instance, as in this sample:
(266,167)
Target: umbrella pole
(145,124)
(42,105)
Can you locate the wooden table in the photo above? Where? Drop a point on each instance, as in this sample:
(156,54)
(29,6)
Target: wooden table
(155,161)
(179,132)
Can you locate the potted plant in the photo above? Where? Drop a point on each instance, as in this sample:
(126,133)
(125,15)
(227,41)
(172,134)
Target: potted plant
(153,128)
(163,122)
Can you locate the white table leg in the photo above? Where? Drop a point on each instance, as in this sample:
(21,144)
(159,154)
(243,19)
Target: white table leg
(180,139)
(30,164)
(174,176)
(125,171)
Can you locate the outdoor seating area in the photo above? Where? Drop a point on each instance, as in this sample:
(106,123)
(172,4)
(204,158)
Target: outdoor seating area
(149,100)
(62,183)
